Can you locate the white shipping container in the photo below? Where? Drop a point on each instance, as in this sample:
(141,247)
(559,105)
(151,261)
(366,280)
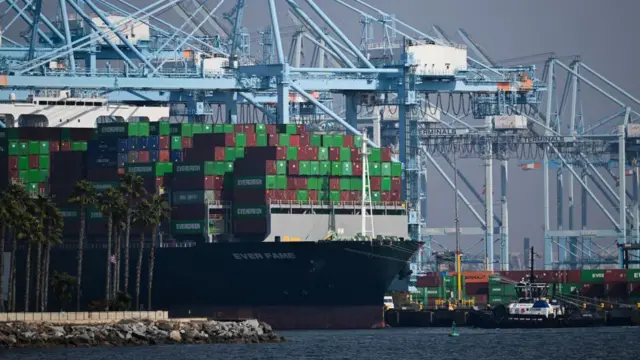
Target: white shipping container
(432,59)
(133,31)
(510,122)
(633,130)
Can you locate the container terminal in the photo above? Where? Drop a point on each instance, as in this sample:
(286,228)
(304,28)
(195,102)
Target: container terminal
(120,90)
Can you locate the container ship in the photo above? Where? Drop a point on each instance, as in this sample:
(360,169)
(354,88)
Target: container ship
(258,213)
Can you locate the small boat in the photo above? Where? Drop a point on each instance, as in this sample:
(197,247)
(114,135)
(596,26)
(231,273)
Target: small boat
(453,332)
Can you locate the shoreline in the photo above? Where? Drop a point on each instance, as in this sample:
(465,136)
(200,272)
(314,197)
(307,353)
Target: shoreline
(134,332)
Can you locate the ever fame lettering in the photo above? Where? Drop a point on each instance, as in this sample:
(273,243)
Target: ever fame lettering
(264,256)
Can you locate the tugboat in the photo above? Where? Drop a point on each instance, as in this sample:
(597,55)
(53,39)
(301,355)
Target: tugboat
(533,303)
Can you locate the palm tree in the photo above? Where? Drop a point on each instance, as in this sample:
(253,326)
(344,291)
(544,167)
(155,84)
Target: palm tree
(31,229)
(132,187)
(4,219)
(142,219)
(108,203)
(16,198)
(53,223)
(159,211)
(119,224)
(83,195)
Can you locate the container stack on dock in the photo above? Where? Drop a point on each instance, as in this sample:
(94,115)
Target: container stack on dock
(196,165)
(621,286)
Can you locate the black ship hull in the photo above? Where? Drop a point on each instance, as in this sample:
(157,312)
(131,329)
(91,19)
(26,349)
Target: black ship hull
(304,285)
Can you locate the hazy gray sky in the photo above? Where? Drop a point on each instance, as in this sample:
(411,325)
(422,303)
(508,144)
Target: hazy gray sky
(603,33)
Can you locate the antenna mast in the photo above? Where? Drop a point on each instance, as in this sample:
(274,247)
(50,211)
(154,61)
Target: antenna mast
(366,210)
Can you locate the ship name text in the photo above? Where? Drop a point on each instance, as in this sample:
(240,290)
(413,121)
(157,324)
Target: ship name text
(264,256)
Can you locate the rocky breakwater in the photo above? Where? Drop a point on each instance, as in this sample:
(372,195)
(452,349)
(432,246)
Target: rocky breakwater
(134,332)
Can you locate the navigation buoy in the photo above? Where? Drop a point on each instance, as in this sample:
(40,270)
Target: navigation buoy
(453,332)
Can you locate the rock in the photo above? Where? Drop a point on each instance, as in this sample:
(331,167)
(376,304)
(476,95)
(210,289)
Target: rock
(175,336)
(134,332)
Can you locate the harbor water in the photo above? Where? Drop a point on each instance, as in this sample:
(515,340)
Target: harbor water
(419,343)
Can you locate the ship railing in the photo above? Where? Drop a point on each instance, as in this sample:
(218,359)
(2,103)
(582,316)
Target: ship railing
(387,205)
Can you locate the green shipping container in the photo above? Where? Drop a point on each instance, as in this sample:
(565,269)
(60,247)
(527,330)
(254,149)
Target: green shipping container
(13,147)
(292,153)
(241,139)
(218,128)
(34,176)
(345,154)
(227,128)
(305,168)
(567,289)
(312,183)
(374,169)
(207,128)
(323,154)
(183,130)
(385,169)
(262,140)
(45,161)
(345,184)
(327,141)
(375,196)
(150,169)
(32,188)
(143,129)
(302,195)
(44,175)
(281,182)
(23,163)
(34,147)
(336,168)
(375,155)
(356,184)
(44,148)
(281,167)
(633,275)
(346,169)
(197,129)
(220,167)
(338,140)
(188,169)
(396,169)
(314,168)
(334,196)
(315,140)
(188,227)
(283,140)
(229,154)
(433,292)
(261,129)
(357,141)
(23,148)
(325,168)
(592,276)
(78,146)
(385,184)
(176,143)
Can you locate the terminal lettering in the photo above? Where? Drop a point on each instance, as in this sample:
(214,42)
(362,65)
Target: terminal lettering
(249,211)
(188,168)
(113,129)
(249,182)
(264,256)
(438,132)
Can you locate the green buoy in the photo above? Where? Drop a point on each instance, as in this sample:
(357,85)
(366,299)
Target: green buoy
(453,332)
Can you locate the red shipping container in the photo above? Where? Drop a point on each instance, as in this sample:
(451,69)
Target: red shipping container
(271,167)
(344,196)
(252,140)
(569,276)
(34,161)
(313,195)
(238,128)
(273,140)
(230,139)
(218,153)
(14,174)
(13,162)
(275,195)
(385,196)
(54,146)
(187,143)
(164,156)
(217,195)
(545,276)
(302,153)
(514,275)
(65,146)
(634,289)
(301,183)
(475,289)
(120,171)
(159,181)
(305,140)
(396,184)
(271,129)
(312,153)
(395,196)
(209,183)
(291,183)
(294,140)
(218,182)
(428,281)
(355,196)
(293,168)
(355,156)
(281,153)
(376,182)
(42,188)
(301,129)
(291,195)
(385,155)
(348,141)
(593,290)
(334,184)
(143,156)
(612,276)
(164,143)
(334,154)
(481,299)
(250,128)
(356,168)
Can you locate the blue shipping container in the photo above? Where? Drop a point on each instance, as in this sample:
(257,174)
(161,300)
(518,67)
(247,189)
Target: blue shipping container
(132,144)
(153,156)
(176,155)
(143,143)
(123,158)
(154,142)
(123,145)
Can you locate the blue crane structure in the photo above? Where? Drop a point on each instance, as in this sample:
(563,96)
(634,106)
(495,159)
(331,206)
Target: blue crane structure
(97,53)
